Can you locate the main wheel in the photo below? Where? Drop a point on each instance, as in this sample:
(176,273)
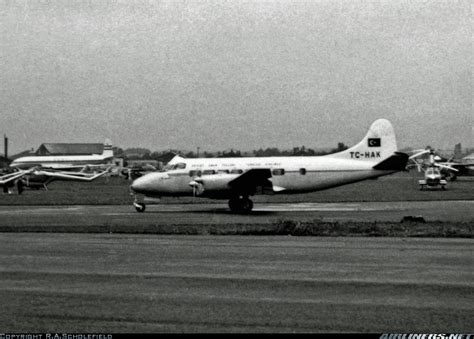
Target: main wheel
(247,205)
(234,205)
(140,207)
(240,205)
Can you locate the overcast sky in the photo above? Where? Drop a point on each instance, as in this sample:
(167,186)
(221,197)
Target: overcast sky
(235,74)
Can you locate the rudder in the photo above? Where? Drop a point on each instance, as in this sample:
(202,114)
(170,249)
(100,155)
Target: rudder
(378,144)
(108,150)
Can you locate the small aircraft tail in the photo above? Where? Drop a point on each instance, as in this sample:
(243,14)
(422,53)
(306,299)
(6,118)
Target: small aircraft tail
(378,144)
(108,151)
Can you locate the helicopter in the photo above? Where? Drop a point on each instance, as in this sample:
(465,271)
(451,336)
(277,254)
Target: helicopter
(433,176)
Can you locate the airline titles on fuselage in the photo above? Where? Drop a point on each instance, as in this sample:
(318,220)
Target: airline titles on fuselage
(234,165)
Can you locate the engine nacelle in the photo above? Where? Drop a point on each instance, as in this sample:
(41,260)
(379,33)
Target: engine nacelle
(212,183)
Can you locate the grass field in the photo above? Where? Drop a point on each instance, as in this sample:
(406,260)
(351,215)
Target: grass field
(115,191)
(283,227)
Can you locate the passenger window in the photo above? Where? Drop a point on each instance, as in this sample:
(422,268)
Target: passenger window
(208,172)
(236,171)
(194,173)
(278,171)
(223,171)
(302,171)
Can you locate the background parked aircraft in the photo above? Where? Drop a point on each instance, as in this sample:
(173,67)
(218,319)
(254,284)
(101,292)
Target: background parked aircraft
(67,157)
(38,171)
(448,168)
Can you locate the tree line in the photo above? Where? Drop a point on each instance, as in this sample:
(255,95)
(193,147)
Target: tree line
(145,154)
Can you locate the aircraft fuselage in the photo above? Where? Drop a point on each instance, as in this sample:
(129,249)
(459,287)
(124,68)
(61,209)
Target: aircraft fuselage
(288,175)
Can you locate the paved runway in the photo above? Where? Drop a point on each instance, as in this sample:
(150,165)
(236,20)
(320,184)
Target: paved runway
(151,283)
(218,213)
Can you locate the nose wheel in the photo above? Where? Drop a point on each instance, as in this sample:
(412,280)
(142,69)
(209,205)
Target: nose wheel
(241,205)
(139,206)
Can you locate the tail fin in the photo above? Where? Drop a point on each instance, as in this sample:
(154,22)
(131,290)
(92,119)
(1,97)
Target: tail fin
(108,151)
(378,144)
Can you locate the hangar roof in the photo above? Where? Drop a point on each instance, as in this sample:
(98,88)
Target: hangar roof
(70,149)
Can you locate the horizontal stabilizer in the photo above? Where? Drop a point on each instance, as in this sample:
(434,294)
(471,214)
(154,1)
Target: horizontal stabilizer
(396,162)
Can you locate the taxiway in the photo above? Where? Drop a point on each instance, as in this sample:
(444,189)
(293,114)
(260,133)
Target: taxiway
(218,213)
(137,283)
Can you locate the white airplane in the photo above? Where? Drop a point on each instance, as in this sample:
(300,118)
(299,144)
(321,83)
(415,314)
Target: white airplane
(65,162)
(39,171)
(237,179)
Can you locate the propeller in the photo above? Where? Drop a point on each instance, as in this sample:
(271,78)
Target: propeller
(433,159)
(448,167)
(419,153)
(197,186)
(193,184)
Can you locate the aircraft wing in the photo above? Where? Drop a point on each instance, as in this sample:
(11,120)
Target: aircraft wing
(5,179)
(61,167)
(248,181)
(78,176)
(458,164)
(462,168)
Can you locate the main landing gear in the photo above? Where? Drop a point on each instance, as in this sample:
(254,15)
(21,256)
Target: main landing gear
(240,205)
(139,206)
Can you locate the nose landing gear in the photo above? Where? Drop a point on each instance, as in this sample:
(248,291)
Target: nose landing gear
(139,206)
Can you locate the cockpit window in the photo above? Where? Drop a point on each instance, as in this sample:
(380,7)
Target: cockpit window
(171,167)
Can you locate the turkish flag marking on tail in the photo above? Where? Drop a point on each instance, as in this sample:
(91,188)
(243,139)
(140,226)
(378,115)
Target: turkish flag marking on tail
(374,142)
